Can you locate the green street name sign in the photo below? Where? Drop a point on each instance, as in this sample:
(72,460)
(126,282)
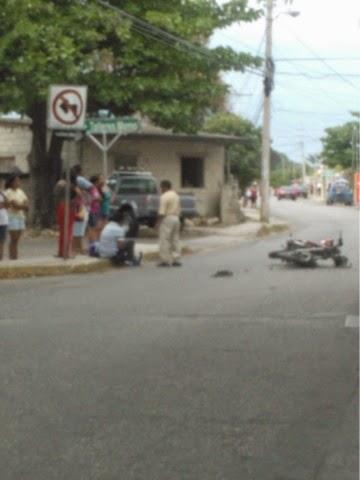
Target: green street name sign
(112,125)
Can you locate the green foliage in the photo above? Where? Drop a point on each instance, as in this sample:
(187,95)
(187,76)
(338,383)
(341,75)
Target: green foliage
(244,156)
(339,144)
(128,65)
(284,174)
(45,42)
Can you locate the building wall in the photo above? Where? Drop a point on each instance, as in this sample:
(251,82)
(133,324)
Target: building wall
(162,157)
(15,142)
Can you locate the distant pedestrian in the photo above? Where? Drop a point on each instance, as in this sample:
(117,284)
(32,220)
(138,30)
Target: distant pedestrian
(247,197)
(18,206)
(4,221)
(253,194)
(168,223)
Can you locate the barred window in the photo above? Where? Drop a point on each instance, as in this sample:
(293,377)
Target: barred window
(192,172)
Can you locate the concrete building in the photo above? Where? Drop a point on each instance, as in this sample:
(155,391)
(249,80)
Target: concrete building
(193,163)
(15,144)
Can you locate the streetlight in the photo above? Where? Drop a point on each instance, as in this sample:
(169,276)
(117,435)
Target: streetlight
(268,87)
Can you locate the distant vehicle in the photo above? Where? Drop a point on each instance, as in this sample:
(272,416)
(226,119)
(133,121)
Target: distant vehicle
(286,191)
(301,190)
(340,192)
(138,195)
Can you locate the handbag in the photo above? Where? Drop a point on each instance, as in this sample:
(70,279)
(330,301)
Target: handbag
(81,214)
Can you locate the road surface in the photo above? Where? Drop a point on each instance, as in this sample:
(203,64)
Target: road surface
(174,374)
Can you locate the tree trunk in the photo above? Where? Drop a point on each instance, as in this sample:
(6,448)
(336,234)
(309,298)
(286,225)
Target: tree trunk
(45,169)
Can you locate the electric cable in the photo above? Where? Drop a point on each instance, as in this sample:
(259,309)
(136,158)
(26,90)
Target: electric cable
(157,34)
(324,62)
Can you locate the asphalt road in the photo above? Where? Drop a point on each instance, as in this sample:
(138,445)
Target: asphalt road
(173,374)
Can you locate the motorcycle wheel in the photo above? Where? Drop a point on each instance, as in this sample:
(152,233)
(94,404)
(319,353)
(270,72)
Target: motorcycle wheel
(340,260)
(304,259)
(280,254)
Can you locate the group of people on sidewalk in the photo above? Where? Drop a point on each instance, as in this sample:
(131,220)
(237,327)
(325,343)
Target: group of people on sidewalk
(83,211)
(83,214)
(111,236)
(117,240)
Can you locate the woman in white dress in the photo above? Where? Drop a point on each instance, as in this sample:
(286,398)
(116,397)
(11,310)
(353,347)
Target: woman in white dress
(18,205)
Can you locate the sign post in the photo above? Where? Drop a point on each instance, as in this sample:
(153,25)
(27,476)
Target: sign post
(105,126)
(66,113)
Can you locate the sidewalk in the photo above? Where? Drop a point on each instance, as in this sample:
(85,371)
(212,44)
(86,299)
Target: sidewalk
(37,253)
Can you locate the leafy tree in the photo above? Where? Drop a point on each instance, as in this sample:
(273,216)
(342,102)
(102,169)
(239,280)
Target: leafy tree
(128,65)
(284,174)
(339,144)
(244,156)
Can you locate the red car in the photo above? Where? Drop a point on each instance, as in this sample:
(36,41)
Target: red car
(301,190)
(287,191)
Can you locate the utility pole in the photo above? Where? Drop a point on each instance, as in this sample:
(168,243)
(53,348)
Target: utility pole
(268,86)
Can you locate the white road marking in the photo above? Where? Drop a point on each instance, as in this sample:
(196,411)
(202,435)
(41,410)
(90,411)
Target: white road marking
(352,321)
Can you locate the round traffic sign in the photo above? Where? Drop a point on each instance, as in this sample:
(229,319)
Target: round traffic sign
(67,106)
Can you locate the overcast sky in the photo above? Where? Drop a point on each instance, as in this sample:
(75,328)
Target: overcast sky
(310,94)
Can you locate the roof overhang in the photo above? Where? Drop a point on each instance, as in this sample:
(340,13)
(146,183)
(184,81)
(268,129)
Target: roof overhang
(152,133)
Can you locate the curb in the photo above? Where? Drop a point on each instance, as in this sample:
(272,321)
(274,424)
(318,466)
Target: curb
(32,270)
(27,269)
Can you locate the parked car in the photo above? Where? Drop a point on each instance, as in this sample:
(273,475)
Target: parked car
(286,191)
(339,192)
(137,194)
(301,190)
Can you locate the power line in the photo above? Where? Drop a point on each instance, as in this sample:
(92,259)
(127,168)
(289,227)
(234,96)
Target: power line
(304,112)
(324,92)
(325,63)
(156,33)
(311,59)
(237,41)
(318,77)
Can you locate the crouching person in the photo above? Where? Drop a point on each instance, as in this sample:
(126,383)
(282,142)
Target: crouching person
(114,245)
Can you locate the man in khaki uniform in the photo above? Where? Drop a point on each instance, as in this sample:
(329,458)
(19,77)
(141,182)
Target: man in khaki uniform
(169,226)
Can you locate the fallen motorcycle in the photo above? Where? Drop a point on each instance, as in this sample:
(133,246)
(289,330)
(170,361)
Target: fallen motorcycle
(305,253)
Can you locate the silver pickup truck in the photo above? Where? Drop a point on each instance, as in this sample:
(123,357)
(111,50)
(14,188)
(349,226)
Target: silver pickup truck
(137,194)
